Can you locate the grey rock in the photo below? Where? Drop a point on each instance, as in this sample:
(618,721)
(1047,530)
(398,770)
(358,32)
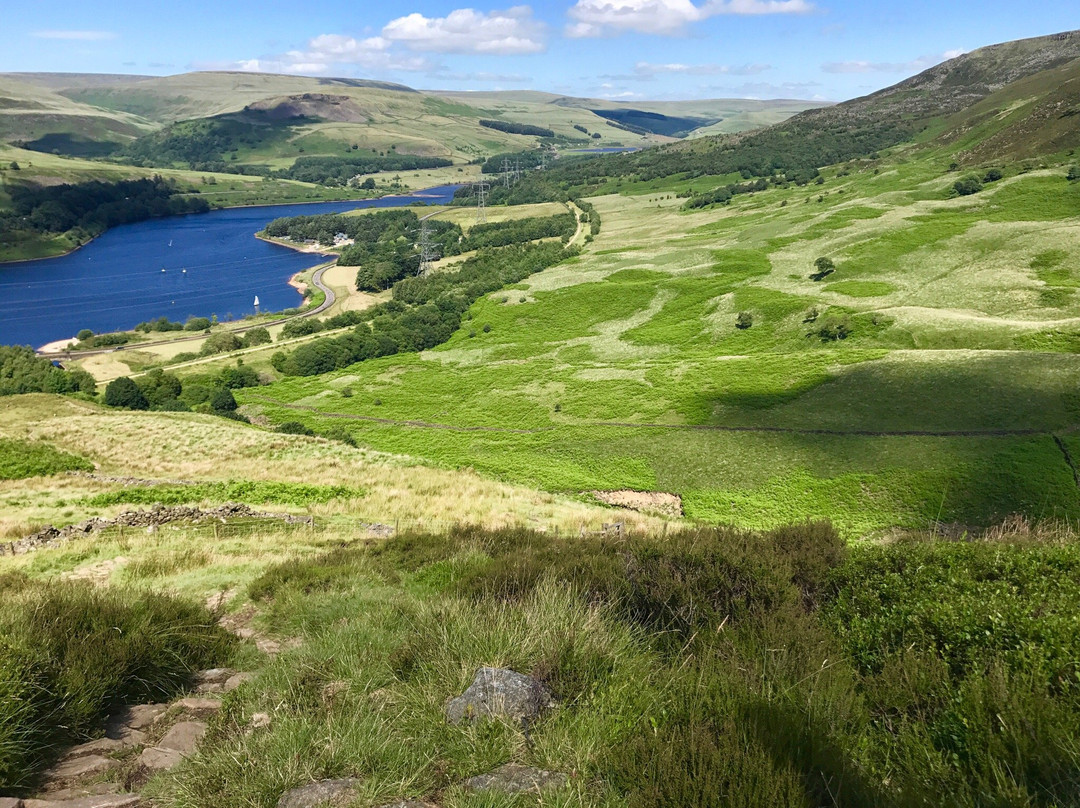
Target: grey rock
(235,681)
(138,716)
(102,746)
(323,794)
(197,707)
(214,676)
(103,801)
(501,693)
(408,804)
(10,802)
(80,767)
(515,779)
(183,737)
(154,759)
(78,792)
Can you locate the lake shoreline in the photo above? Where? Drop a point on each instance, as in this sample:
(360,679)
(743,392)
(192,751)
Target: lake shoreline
(91,240)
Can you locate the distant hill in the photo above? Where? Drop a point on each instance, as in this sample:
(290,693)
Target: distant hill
(98,115)
(1003,102)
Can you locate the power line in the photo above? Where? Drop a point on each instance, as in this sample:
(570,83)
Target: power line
(481,201)
(427,249)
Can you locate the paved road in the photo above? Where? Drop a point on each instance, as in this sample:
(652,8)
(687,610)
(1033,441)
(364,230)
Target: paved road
(316,281)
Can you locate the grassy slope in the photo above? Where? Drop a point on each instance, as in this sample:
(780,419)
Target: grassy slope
(942,294)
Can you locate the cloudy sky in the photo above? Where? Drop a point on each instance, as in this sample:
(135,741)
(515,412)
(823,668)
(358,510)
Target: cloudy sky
(620,49)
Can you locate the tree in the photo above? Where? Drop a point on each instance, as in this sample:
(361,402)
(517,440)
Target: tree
(14,166)
(993,175)
(197,324)
(124,393)
(825,267)
(84,335)
(221,343)
(160,388)
(256,336)
(744,320)
(368,184)
(223,401)
(966,186)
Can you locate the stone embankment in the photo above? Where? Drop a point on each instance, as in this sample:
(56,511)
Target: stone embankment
(154,518)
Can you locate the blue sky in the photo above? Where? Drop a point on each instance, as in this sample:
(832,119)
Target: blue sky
(619,49)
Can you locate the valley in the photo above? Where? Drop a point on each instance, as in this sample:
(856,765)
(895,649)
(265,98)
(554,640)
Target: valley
(746,458)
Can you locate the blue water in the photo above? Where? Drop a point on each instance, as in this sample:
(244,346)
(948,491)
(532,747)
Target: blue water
(607,150)
(116,282)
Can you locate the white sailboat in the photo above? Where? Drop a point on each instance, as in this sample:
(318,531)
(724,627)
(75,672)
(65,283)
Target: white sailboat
(256,301)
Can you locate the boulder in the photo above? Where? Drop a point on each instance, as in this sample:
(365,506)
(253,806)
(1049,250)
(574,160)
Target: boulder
(500,693)
(323,794)
(515,779)
(79,792)
(10,802)
(213,680)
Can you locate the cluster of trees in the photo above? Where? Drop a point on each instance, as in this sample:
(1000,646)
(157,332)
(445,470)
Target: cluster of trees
(973,183)
(89,208)
(519,231)
(338,171)
(592,214)
(386,225)
(724,194)
(23,371)
(425,311)
(518,128)
(159,390)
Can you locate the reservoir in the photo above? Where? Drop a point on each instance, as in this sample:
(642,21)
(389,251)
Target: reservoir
(212,262)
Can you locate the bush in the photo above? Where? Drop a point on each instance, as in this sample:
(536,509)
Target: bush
(123,392)
(1074,173)
(223,402)
(84,335)
(197,324)
(993,175)
(256,336)
(744,320)
(295,428)
(71,653)
(966,186)
(222,342)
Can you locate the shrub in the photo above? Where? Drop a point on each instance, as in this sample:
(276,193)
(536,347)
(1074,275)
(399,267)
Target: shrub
(197,324)
(295,428)
(993,175)
(84,335)
(223,402)
(256,336)
(1074,173)
(744,320)
(222,342)
(123,392)
(966,186)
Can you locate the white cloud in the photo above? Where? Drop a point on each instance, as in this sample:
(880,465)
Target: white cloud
(806,91)
(593,18)
(466,30)
(81,36)
(649,69)
(914,66)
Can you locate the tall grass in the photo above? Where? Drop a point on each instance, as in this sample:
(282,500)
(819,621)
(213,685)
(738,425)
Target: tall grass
(70,654)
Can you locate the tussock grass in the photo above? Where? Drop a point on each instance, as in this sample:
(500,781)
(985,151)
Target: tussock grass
(70,653)
(699,668)
(22,459)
